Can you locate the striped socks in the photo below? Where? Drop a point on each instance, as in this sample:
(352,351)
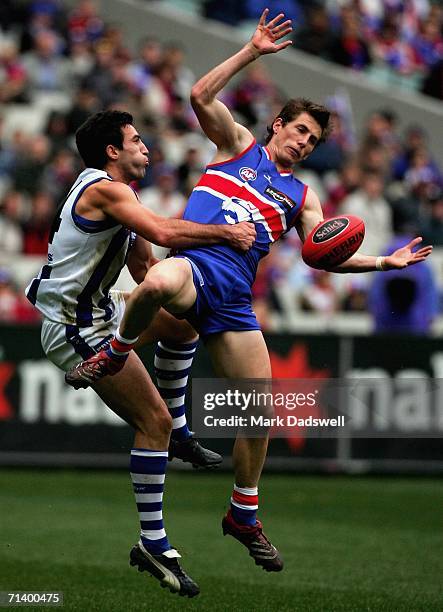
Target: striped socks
(244,505)
(148,469)
(119,347)
(173,361)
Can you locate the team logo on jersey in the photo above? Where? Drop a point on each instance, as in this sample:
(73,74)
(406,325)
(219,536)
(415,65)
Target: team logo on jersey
(237,210)
(279,196)
(330,229)
(247,174)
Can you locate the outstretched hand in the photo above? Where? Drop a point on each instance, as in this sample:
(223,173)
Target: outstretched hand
(265,36)
(403,257)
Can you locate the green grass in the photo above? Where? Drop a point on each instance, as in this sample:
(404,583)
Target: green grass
(351,544)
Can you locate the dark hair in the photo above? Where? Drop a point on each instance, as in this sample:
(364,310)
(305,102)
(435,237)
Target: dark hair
(99,131)
(295,107)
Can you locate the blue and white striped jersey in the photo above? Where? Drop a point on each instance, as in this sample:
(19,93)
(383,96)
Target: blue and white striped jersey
(84,261)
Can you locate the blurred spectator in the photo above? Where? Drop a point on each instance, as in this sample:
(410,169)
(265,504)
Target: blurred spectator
(433,83)
(13,78)
(428,44)
(31,165)
(160,97)
(347,182)
(14,307)
(432,223)
(349,47)
(142,70)
(375,158)
(8,154)
(56,131)
(11,14)
(421,170)
(315,36)
(415,139)
(46,68)
(174,56)
(113,35)
(189,172)
(12,209)
(320,296)
(254,94)
(100,79)
(36,230)
(230,12)
(291,9)
(381,131)
(163,197)
(85,103)
(264,297)
(404,301)
(84,23)
(369,204)
(60,174)
(82,60)
(392,51)
(355,295)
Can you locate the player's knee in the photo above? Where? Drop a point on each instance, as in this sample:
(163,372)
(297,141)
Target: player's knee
(157,288)
(156,424)
(164,423)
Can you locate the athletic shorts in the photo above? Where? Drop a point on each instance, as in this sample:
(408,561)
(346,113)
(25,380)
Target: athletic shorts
(67,345)
(224,300)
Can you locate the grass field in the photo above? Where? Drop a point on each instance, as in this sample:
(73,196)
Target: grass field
(352,544)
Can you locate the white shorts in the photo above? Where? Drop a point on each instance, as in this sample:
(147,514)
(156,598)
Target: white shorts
(67,345)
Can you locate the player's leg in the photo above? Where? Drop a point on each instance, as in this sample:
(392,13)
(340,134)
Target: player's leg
(169,283)
(132,395)
(176,346)
(240,355)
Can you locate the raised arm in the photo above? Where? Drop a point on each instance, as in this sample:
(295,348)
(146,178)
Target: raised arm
(214,117)
(312,215)
(118,201)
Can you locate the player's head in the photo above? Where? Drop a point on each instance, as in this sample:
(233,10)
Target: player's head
(109,138)
(298,128)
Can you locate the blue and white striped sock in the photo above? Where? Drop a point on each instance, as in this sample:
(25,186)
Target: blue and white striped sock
(148,469)
(173,361)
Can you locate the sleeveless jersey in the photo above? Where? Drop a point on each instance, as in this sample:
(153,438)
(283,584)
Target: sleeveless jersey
(247,187)
(84,261)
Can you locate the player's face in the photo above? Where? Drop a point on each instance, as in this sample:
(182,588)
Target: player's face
(133,158)
(294,141)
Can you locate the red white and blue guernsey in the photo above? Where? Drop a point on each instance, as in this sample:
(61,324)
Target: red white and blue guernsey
(247,187)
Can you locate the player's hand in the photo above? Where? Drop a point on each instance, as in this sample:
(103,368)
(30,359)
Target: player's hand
(401,258)
(265,37)
(242,235)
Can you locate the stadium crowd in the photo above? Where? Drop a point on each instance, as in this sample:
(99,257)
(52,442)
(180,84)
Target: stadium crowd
(57,66)
(396,42)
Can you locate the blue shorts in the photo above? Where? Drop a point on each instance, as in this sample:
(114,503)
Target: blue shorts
(224,300)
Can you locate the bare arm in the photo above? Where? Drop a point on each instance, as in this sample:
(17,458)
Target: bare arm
(312,215)
(140,259)
(214,117)
(118,201)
